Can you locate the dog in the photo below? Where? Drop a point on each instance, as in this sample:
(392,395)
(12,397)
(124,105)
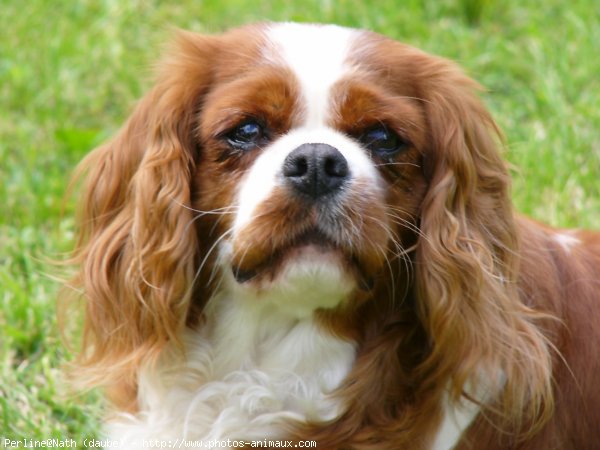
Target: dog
(305,233)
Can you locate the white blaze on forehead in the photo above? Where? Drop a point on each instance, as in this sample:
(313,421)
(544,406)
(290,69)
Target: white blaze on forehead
(316,54)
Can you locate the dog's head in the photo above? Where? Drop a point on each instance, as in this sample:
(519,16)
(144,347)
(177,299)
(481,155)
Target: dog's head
(316,168)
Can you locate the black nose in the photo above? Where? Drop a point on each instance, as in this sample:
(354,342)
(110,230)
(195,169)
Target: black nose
(315,170)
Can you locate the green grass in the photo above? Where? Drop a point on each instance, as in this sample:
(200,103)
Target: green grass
(70,72)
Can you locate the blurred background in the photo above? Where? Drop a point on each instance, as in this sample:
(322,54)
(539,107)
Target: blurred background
(70,72)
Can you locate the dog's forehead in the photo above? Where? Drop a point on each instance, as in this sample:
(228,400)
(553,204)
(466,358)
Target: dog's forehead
(314,52)
(318,57)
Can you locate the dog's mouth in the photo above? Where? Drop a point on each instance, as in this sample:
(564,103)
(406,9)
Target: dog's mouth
(308,249)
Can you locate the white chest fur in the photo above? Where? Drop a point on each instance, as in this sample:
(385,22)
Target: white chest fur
(244,375)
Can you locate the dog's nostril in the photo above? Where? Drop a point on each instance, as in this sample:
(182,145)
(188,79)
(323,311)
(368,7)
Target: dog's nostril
(315,170)
(295,167)
(336,167)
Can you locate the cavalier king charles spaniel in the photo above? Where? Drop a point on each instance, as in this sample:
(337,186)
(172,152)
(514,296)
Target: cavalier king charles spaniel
(305,232)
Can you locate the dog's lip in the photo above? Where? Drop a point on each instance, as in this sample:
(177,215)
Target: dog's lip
(313,239)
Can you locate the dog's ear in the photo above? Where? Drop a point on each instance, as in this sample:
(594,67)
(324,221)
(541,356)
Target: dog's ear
(467,258)
(136,249)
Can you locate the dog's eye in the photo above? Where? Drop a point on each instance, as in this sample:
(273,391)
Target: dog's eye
(383,142)
(246,136)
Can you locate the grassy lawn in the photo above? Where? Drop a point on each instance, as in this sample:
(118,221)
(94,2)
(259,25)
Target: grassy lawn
(71,70)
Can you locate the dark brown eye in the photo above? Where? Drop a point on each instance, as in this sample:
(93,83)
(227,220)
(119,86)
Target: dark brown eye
(247,136)
(383,142)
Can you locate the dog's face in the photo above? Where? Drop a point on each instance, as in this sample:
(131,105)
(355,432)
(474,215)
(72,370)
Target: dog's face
(310,170)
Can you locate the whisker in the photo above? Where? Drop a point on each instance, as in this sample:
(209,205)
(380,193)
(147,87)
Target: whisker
(398,163)
(205,259)
(231,209)
(399,252)
(406,223)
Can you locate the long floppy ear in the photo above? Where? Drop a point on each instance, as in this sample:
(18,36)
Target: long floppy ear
(483,337)
(136,249)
